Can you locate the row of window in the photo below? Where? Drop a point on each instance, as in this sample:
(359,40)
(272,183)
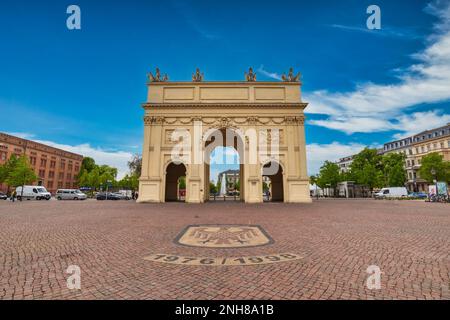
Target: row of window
(408,141)
(51,174)
(426,148)
(62,164)
(68,185)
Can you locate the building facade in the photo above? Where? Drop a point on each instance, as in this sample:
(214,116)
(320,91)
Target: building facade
(231,177)
(252,115)
(54,167)
(344,163)
(416,147)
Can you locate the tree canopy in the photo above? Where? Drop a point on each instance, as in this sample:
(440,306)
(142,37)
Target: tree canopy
(433,167)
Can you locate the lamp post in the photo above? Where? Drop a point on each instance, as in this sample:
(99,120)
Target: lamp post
(433,173)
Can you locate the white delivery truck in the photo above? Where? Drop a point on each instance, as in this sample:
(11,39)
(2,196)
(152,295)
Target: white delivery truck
(391,192)
(33,192)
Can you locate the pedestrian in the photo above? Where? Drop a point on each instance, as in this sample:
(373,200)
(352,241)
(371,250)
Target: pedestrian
(13,196)
(133,195)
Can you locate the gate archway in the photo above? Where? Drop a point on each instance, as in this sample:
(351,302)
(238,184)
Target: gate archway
(174,172)
(226,138)
(247,107)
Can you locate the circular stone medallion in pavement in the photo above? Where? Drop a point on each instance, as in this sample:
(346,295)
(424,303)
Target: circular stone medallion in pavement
(223,236)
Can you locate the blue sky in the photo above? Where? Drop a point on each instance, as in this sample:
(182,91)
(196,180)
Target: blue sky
(82,89)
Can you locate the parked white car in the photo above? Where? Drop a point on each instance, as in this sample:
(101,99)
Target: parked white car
(392,192)
(70,194)
(33,192)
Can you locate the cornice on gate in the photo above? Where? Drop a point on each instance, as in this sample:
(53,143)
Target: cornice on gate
(224,94)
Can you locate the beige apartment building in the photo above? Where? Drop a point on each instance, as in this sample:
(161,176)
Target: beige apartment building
(416,147)
(54,167)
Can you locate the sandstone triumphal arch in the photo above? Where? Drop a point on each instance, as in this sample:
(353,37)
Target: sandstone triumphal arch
(184,121)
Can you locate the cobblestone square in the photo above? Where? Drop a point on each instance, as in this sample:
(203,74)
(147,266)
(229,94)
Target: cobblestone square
(336,240)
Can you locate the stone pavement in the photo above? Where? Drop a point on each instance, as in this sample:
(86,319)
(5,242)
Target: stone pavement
(337,240)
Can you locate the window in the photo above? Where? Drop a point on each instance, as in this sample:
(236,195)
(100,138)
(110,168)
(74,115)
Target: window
(61,175)
(69,167)
(51,174)
(63,164)
(33,161)
(53,164)
(43,162)
(60,184)
(3,155)
(50,184)
(42,173)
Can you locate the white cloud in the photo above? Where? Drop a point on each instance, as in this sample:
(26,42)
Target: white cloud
(272,75)
(385,31)
(420,121)
(375,107)
(116,159)
(354,124)
(23,135)
(408,124)
(318,153)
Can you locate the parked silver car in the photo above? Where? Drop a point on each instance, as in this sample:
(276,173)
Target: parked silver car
(70,194)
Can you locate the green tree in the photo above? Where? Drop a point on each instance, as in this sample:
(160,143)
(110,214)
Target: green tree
(94,178)
(135,165)
(366,169)
(237,185)
(88,164)
(7,168)
(329,175)
(212,187)
(394,172)
(182,183)
(21,174)
(434,162)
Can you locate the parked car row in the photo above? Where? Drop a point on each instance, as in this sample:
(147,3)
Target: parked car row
(40,193)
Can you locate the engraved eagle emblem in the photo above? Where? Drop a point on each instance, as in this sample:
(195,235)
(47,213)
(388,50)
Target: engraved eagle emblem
(223,235)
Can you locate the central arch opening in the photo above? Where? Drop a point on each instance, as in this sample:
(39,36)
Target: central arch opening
(224,165)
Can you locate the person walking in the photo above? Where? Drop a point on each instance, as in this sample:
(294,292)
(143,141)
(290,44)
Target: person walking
(13,196)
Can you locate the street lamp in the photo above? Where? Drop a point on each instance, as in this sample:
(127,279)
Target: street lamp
(433,173)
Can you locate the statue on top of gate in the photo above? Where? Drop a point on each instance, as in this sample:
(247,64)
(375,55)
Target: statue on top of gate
(157,77)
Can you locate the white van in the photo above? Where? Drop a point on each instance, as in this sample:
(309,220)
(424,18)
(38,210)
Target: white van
(70,194)
(392,192)
(33,192)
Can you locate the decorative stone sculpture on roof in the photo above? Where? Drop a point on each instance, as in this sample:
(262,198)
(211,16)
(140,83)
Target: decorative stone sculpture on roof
(290,77)
(250,76)
(157,77)
(197,76)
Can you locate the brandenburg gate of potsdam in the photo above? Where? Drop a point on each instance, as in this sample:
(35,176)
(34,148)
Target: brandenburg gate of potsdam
(185,121)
